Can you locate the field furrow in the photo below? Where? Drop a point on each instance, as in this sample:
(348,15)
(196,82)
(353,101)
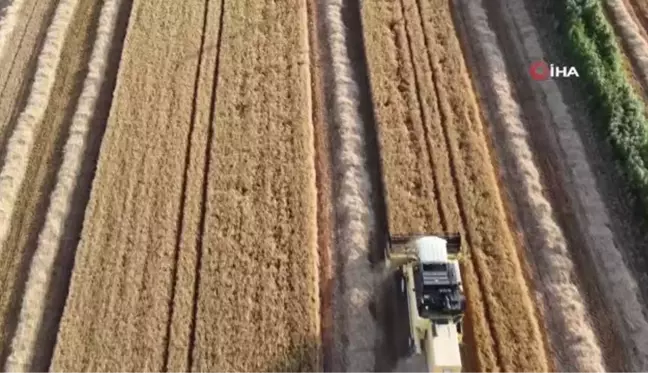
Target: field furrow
(183,299)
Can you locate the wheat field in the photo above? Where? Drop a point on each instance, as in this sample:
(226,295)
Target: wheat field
(209,185)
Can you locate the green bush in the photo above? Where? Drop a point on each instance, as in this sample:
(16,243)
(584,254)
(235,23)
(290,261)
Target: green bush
(615,108)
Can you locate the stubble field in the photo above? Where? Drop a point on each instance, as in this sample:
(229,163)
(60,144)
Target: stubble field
(209,185)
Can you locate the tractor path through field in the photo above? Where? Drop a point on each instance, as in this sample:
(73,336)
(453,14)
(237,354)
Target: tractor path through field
(439,175)
(214,184)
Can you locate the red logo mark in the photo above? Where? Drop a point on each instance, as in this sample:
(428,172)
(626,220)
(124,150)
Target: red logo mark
(539,70)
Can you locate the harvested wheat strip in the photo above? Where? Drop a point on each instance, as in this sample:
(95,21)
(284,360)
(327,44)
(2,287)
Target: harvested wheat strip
(25,344)
(631,35)
(22,139)
(353,193)
(8,19)
(619,286)
(565,305)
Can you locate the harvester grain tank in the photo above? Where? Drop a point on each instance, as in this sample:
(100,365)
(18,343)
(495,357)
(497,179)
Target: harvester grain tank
(431,282)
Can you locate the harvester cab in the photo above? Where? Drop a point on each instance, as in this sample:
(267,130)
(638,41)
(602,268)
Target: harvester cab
(431,282)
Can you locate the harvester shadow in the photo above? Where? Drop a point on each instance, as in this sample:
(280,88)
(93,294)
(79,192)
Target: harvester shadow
(70,235)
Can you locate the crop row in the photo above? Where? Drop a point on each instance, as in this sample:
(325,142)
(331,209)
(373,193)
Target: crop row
(615,108)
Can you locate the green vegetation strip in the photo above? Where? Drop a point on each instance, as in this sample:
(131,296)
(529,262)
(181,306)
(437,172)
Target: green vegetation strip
(615,107)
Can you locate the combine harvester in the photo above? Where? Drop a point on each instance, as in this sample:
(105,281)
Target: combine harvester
(430,279)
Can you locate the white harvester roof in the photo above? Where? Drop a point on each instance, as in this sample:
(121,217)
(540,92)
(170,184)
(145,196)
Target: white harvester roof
(432,249)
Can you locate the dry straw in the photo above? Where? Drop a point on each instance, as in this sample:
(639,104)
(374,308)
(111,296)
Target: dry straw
(8,19)
(353,214)
(32,315)
(22,140)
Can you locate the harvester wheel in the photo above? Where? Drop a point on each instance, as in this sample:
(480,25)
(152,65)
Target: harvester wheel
(410,346)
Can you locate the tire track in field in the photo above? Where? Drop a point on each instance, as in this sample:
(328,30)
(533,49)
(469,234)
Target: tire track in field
(423,115)
(205,184)
(183,302)
(359,217)
(183,193)
(8,32)
(9,14)
(418,81)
